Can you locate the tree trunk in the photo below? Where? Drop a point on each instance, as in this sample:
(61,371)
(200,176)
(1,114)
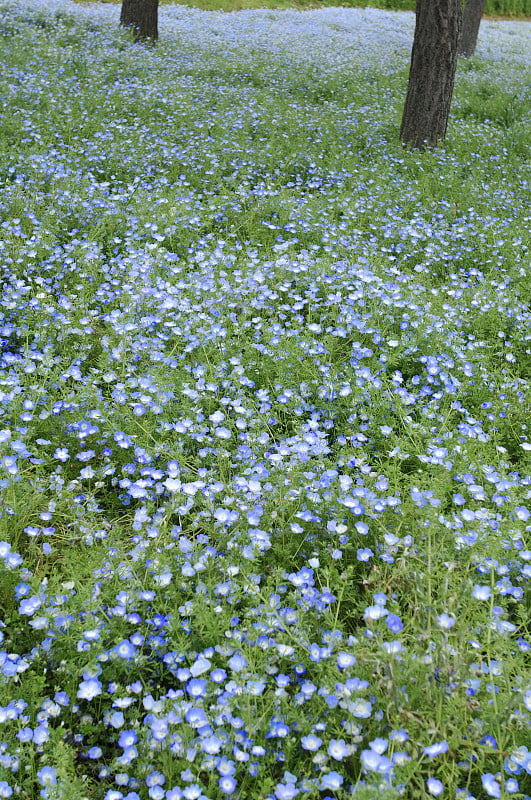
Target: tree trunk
(142,17)
(432,72)
(472,14)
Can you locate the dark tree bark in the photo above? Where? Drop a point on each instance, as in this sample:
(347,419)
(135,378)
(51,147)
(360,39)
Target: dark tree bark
(432,72)
(472,13)
(142,17)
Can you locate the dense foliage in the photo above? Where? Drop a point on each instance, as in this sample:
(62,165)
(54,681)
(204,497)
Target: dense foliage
(264,412)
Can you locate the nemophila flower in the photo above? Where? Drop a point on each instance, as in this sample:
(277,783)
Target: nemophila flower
(435,786)
(445,621)
(155,778)
(29,606)
(196,717)
(218,675)
(227,784)
(481,592)
(380,598)
(114,718)
(311,742)
(127,738)
(394,623)
(286,791)
(360,708)
(337,749)
(489,741)
(373,613)
(255,688)
(159,728)
(25,734)
(41,734)
(47,776)
(200,665)
(372,761)
(22,590)
(345,660)
(211,745)
(491,785)
(89,689)
(519,759)
(436,749)
(5,549)
(277,729)
(126,650)
(237,662)
(331,780)
(379,745)
(196,687)
(5,789)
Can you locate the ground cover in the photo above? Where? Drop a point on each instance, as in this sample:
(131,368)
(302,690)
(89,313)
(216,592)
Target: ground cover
(264,412)
(512,9)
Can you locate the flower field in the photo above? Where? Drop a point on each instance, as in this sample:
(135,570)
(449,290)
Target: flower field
(265,419)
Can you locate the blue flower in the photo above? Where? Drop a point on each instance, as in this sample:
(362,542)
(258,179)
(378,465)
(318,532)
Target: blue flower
(436,749)
(481,592)
(227,784)
(30,606)
(196,687)
(155,778)
(89,689)
(394,623)
(445,621)
(311,742)
(126,650)
(211,745)
(345,660)
(434,786)
(332,780)
(47,776)
(225,766)
(372,761)
(491,785)
(128,738)
(337,749)
(237,662)
(286,791)
(360,708)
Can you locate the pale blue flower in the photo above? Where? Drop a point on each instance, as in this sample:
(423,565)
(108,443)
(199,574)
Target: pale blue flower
(435,786)
(436,749)
(491,785)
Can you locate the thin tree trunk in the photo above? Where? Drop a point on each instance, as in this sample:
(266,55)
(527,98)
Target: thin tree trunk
(432,72)
(472,13)
(142,17)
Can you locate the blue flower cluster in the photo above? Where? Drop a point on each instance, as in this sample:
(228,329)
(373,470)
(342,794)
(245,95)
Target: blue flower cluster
(265,502)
